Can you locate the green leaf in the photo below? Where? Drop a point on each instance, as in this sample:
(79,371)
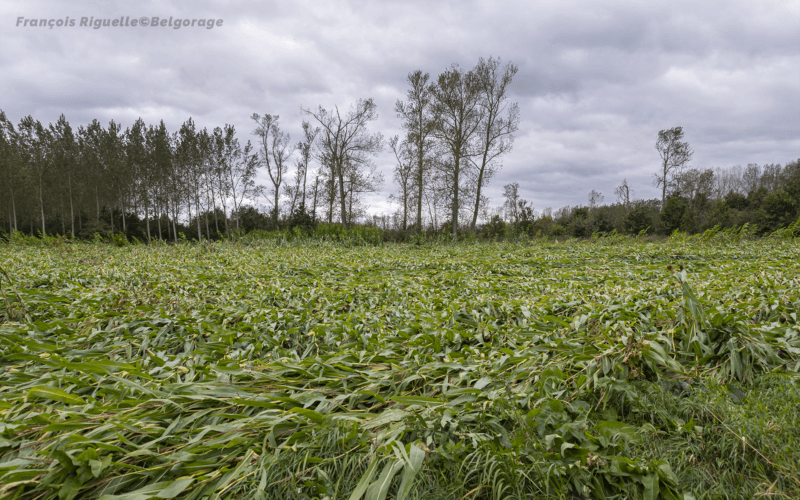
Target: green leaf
(650,487)
(412,459)
(175,488)
(365,481)
(315,417)
(145,493)
(416,400)
(69,489)
(64,460)
(483,382)
(53,394)
(380,488)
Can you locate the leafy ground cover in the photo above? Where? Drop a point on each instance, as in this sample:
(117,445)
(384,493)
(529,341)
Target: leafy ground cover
(599,369)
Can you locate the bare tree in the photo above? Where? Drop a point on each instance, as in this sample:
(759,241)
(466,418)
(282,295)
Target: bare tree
(293,191)
(419,122)
(403,173)
(728,180)
(438,192)
(595,198)
(751,177)
(317,177)
(275,151)
(298,190)
(360,178)
(694,182)
(345,143)
(221,185)
(674,155)
(305,148)
(623,192)
(239,166)
(496,132)
(511,194)
(330,185)
(457,106)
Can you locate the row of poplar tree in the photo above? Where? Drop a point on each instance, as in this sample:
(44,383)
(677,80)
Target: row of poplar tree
(456,128)
(59,178)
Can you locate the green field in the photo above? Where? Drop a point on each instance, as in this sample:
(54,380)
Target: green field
(601,369)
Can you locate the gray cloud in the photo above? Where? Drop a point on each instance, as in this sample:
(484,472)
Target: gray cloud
(596,81)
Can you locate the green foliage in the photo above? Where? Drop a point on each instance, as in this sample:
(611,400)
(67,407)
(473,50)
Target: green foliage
(302,221)
(639,219)
(614,368)
(119,240)
(495,228)
(355,236)
(250,219)
(677,215)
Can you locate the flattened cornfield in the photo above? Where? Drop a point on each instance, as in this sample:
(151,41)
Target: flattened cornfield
(537,370)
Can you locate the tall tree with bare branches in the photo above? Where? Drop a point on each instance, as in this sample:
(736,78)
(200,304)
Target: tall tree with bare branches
(275,151)
(674,155)
(346,144)
(403,174)
(419,123)
(457,106)
(500,121)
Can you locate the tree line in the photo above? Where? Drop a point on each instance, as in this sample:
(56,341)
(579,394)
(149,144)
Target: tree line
(140,181)
(763,198)
(153,183)
(148,182)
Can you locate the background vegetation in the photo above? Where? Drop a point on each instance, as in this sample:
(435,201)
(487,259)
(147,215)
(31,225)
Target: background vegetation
(148,183)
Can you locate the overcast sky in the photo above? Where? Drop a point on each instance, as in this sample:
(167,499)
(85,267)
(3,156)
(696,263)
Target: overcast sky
(596,80)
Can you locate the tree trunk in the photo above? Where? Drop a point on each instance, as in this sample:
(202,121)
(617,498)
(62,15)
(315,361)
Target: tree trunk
(664,187)
(71,208)
(419,189)
(160,213)
(405,207)
(225,214)
(316,186)
(480,184)
(147,218)
(41,206)
(197,206)
(208,231)
(14,210)
(345,222)
(216,219)
(122,209)
(189,215)
(454,212)
(174,218)
(350,207)
(305,174)
(61,213)
(432,214)
(332,200)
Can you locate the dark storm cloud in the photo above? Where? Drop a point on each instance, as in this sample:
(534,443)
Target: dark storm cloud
(596,82)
